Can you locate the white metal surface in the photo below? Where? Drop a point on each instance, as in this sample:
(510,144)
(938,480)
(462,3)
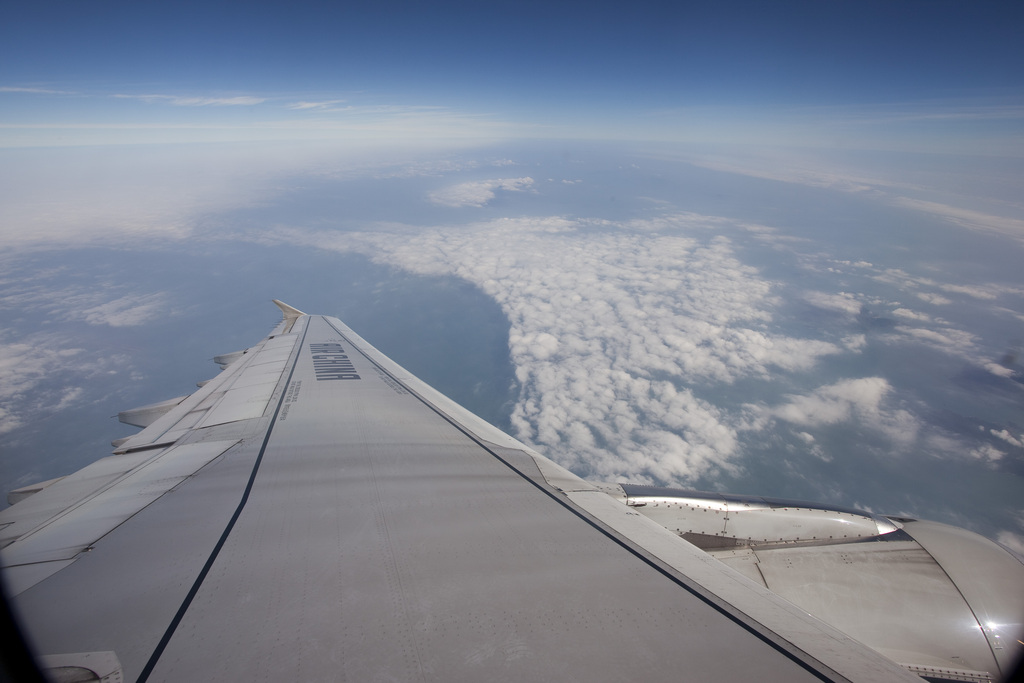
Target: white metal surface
(751,520)
(76,528)
(370,529)
(932,597)
(143,416)
(988,578)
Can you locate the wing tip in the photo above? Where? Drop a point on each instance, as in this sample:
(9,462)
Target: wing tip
(289,311)
(291,314)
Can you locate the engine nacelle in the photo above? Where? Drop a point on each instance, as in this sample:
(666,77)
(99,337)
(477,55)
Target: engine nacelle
(944,602)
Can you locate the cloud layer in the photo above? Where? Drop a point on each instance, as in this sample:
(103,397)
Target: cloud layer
(27,390)
(611,326)
(41,374)
(477,192)
(187,101)
(859,400)
(128,311)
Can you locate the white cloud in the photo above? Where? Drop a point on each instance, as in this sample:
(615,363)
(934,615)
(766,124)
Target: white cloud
(1008,311)
(326,104)
(855,342)
(119,196)
(791,170)
(1014,540)
(477,192)
(943,445)
(540,346)
(128,311)
(987,453)
(35,91)
(182,101)
(900,278)
(23,368)
(967,218)
(843,302)
(1009,438)
(1011,540)
(997,369)
(817,171)
(949,339)
(835,403)
(91,304)
(852,400)
(911,315)
(69,397)
(41,374)
(611,324)
(970,290)
(934,299)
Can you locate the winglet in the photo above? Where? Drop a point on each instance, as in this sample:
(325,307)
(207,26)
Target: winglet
(289,311)
(291,314)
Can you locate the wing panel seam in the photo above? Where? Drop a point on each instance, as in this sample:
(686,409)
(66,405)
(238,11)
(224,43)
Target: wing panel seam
(201,577)
(613,536)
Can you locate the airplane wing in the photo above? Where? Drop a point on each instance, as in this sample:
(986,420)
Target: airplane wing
(315,512)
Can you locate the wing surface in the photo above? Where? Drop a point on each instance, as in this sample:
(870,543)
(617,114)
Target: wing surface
(315,512)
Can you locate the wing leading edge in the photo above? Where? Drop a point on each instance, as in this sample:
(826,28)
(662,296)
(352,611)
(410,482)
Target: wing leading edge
(315,512)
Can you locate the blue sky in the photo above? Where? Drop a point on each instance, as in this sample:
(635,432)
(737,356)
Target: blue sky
(827,73)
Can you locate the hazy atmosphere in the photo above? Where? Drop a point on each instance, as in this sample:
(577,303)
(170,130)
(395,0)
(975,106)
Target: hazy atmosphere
(766,249)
